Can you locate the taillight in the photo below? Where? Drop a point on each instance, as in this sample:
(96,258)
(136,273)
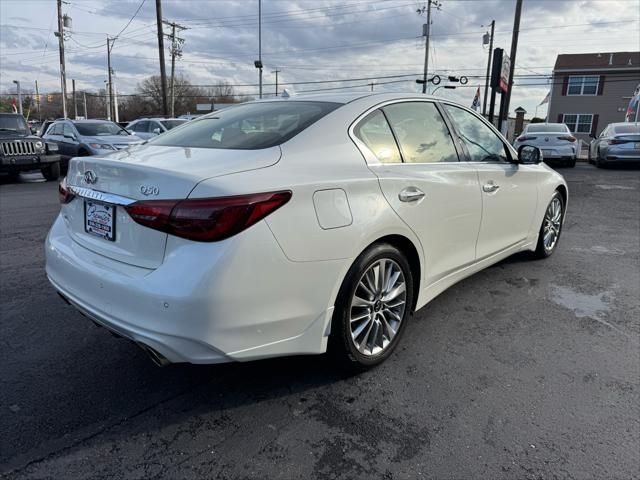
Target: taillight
(569,138)
(64,194)
(207,219)
(617,141)
(525,138)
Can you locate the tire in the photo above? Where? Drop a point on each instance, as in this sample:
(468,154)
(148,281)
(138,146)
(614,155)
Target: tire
(51,172)
(599,163)
(552,220)
(363,325)
(571,163)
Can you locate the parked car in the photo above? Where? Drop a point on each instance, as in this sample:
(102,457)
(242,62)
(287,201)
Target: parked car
(558,145)
(147,128)
(328,225)
(79,138)
(45,126)
(21,151)
(618,143)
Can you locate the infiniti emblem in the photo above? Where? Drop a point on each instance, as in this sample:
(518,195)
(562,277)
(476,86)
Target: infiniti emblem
(90,177)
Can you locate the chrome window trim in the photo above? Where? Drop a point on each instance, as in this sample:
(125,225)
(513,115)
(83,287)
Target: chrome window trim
(99,196)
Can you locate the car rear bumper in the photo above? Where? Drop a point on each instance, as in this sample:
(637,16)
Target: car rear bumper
(207,302)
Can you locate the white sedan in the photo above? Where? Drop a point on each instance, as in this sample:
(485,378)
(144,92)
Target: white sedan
(293,226)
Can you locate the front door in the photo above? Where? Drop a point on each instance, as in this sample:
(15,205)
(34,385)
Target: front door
(509,190)
(424,182)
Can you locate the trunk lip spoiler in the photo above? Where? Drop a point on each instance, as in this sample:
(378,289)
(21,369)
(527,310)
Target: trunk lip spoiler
(99,196)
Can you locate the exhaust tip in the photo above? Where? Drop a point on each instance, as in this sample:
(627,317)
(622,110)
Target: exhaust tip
(155,356)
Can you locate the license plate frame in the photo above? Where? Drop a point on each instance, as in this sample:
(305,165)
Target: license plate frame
(546,151)
(100,219)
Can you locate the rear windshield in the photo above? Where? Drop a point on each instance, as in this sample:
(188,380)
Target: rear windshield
(96,129)
(547,128)
(248,127)
(169,124)
(13,123)
(626,129)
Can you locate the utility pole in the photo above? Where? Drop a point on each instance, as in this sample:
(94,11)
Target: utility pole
(75,105)
(372,84)
(17,82)
(426,32)
(110,82)
(163,73)
(84,96)
(108,100)
(63,79)
(176,51)
(514,48)
(486,85)
(116,116)
(276,72)
(260,43)
(38,101)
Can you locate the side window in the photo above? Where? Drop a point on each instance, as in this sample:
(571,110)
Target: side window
(374,131)
(483,144)
(67,131)
(141,126)
(152,126)
(421,132)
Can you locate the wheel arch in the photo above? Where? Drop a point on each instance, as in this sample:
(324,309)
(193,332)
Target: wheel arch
(564,192)
(408,248)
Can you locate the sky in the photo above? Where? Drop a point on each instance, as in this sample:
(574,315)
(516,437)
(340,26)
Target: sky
(309,41)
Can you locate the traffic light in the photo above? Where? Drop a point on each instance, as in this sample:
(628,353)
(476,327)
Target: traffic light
(49,98)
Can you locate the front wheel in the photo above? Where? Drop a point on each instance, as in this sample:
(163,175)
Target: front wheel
(373,307)
(51,172)
(551,227)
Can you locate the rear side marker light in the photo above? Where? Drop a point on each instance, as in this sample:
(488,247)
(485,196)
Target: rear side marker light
(64,193)
(207,219)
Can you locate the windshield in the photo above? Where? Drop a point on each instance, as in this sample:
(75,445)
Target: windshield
(97,129)
(626,129)
(13,123)
(169,124)
(547,128)
(249,126)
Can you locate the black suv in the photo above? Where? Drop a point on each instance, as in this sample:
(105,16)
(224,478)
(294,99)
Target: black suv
(20,151)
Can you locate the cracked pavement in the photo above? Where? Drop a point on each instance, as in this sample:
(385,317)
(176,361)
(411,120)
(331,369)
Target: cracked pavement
(529,369)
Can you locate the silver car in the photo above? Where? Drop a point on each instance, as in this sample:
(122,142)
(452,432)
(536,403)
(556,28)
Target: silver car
(618,143)
(147,128)
(556,141)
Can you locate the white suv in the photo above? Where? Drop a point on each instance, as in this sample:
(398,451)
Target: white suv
(558,145)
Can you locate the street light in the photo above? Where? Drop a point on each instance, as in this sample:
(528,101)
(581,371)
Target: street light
(19,97)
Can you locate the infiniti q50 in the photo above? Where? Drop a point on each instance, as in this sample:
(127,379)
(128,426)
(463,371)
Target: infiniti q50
(296,226)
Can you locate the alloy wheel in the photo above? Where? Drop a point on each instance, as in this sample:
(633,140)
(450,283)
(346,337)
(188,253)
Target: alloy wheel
(552,224)
(377,307)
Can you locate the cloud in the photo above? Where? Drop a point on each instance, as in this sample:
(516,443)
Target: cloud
(323,40)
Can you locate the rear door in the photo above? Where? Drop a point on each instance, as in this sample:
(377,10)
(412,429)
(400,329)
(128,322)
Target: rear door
(409,147)
(509,190)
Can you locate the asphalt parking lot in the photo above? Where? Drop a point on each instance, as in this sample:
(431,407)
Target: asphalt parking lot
(530,369)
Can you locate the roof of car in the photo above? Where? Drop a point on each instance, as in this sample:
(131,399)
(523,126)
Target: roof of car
(349,97)
(158,119)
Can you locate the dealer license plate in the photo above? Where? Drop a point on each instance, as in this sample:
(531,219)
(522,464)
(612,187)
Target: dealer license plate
(100,219)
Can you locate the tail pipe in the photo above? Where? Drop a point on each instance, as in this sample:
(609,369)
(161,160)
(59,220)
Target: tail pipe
(155,356)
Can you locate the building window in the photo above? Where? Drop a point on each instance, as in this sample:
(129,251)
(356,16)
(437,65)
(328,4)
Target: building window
(578,122)
(583,85)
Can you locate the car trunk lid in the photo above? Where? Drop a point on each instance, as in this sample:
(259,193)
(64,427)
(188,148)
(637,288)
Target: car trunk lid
(143,173)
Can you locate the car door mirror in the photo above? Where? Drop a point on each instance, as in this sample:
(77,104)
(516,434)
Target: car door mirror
(156,131)
(70,136)
(528,154)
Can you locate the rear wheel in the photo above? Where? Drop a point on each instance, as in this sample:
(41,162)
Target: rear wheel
(599,163)
(51,172)
(551,227)
(373,307)
(571,163)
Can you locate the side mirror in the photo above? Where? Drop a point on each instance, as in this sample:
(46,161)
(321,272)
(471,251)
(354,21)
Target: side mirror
(156,131)
(72,137)
(528,154)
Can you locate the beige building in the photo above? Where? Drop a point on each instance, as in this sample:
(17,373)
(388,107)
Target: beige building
(591,90)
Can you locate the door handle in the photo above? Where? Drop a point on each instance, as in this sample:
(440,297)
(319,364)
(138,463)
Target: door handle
(490,187)
(411,194)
